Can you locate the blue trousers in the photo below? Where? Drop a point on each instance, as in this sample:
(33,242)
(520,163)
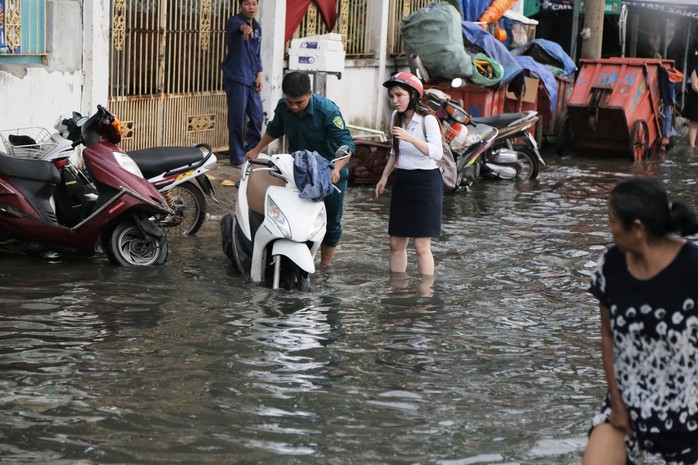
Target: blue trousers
(242,101)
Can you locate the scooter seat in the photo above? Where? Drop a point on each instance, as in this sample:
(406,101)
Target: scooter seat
(482,130)
(157,160)
(502,119)
(257,186)
(35,170)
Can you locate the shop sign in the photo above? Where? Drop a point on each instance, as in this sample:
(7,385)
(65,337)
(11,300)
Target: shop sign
(611,7)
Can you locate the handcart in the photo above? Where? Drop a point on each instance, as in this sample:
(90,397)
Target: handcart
(614,108)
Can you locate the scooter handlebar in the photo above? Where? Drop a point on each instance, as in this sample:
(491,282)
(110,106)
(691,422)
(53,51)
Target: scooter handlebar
(256,161)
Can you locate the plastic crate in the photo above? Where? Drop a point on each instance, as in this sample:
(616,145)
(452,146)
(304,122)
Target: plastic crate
(33,142)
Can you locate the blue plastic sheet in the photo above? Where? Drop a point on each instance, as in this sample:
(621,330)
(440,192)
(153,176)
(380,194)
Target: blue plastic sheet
(546,76)
(555,51)
(473,9)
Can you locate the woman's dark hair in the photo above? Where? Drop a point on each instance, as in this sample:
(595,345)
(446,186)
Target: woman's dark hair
(646,199)
(295,84)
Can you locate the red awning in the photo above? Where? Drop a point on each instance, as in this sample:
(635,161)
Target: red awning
(296,9)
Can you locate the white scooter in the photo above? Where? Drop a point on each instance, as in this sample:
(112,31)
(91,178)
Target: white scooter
(275,234)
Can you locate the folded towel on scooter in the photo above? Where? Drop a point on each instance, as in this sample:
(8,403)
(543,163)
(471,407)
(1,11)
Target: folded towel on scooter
(313,175)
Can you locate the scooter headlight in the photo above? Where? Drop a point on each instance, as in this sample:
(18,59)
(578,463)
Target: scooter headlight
(319,224)
(128,164)
(277,217)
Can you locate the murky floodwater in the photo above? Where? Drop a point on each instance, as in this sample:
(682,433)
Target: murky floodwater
(495,362)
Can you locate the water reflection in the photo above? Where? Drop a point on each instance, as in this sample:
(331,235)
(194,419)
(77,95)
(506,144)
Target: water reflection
(495,360)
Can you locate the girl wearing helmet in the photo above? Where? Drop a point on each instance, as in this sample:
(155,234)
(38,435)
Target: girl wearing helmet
(417,192)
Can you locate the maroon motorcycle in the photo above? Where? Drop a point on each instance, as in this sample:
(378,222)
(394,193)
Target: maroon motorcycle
(42,209)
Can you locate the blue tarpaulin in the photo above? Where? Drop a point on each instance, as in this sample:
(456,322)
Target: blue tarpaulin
(554,50)
(546,76)
(473,9)
(557,55)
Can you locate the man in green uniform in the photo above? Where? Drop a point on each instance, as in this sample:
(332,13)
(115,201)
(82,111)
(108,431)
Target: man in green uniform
(313,122)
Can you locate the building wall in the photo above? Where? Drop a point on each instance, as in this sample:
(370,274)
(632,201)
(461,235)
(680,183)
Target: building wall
(37,94)
(75,74)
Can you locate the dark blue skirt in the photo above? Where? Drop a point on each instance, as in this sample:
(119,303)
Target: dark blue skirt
(415,203)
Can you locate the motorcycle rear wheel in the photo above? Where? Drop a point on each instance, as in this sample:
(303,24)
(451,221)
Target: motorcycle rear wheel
(190,209)
(127,245)
(528,165)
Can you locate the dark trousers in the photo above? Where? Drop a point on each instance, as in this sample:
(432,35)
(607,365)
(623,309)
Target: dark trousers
(243,101)
(334,206)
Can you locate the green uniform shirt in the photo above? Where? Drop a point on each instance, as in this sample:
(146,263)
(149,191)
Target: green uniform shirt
(321,128)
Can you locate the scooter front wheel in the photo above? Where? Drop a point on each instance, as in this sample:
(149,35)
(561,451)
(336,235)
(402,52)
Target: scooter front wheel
(189,207)
(127,245)
(285,274)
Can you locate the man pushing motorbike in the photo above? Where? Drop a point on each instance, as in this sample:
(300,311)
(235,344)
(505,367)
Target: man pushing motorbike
(313,122)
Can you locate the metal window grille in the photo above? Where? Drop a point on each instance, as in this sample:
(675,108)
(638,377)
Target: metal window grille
(167,48)
(23,27)
(400,9)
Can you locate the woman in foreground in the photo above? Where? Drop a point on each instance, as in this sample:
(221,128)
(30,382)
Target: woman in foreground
(647,287)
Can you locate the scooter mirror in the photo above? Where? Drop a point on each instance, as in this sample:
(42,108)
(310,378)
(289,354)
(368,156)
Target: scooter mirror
(457,82)
(341,153)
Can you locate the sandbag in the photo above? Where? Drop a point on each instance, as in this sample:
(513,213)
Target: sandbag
(434,34)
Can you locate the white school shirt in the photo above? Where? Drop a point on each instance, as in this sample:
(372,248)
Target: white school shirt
(410,157)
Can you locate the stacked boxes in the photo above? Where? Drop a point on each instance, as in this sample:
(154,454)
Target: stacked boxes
(317,53)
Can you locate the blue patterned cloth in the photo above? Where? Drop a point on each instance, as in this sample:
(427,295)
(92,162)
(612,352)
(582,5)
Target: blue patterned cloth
(313,175)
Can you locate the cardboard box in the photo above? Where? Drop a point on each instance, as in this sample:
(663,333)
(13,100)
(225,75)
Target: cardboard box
(308,59)
(531,93)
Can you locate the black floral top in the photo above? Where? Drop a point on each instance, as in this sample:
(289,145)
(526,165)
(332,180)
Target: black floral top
(654,324)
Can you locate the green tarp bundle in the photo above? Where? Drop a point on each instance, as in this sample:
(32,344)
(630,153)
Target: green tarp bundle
(434,34)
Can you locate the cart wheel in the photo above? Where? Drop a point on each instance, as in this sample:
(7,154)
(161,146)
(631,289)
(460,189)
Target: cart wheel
(639,141)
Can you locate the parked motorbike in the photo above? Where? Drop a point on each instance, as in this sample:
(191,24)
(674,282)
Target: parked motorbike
(513,154)
(172,170)
(468,142)
(41,209)
(274,235)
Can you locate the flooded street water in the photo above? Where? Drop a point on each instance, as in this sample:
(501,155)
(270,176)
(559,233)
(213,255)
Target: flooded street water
(495,362)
